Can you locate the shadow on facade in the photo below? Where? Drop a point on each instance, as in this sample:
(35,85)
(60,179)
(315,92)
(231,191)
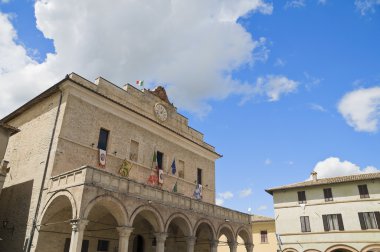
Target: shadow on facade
(14,211)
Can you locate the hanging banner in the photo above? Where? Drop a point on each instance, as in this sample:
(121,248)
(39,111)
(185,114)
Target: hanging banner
(160,176)
(125,168)
(102,157)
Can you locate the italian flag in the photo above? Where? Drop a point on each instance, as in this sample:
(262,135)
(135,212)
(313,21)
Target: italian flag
(140,83)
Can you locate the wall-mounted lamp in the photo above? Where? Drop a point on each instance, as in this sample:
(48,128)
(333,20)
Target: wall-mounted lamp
(149,201)
(92,145)
(226,220)
(115,152)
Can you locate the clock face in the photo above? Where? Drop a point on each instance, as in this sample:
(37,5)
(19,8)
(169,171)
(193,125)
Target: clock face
(161,112)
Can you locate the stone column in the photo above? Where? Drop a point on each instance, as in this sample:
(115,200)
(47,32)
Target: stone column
(124,234)
(249,247)
(214,245)
(190,241)
(233,246)
(78,226)
(160,238)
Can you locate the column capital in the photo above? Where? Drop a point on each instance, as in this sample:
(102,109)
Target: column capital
(214,243)
(161,237)
(191,239)
(78,225)
(125,231)
(249,247)
(233,244)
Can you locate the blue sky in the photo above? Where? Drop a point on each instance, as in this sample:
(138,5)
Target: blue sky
(279,88)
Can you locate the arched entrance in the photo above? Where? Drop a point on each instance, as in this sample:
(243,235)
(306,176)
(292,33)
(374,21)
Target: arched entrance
(371,248)
(178,229)
(138,244)
(205,237)
(244,239)
(104,216)
(341,248)
(226,238)
(148,227)
(54,229)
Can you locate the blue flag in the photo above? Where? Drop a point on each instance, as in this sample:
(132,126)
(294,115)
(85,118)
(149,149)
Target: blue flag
(174,168)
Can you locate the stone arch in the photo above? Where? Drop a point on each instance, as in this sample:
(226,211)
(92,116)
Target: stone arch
(227,230)
(341,247)
(62,193)
(112,204)
(157,220)
(290,250)
(207,222)
(187,230)
(244,234)
(371,248)
(57,213)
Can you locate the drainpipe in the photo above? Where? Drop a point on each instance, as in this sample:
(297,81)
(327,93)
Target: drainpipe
(34,224)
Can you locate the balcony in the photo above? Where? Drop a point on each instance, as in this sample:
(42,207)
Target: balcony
(90,176)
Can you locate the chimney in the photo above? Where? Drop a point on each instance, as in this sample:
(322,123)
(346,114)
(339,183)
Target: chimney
(314,175)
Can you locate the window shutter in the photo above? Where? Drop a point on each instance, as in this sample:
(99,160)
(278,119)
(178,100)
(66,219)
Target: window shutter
(377,216)
(365,190)
(340,222)
(362,222)
(302,219)
(360,189)
(325,223)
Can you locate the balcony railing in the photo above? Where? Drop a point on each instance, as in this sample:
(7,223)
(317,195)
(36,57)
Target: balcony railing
(94,177)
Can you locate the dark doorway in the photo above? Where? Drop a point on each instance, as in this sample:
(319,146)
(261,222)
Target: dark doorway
(138,244)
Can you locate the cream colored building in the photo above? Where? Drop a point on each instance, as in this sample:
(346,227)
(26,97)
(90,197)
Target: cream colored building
(79,175)
(263,236)
(338,214)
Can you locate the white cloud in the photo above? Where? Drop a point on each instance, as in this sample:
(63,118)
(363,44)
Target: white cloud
(191,46)
(271,86)
(322,2)
(279,62)
(219,201)
(245,193)
(262,208)
(274,86)
(333,167)
(317,107)
(361,109)
(267,161)
(366,6)
(226,195)
(5,1)
(295,4)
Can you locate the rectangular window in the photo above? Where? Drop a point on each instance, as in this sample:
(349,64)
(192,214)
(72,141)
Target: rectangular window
(305,224)
(103,139)
(103,245)
(301,197)
(264,236)
(328,194)
(160,160)
(199,176)
(181,169)
(133,155)
(333,222)
(369,220)
(363,191)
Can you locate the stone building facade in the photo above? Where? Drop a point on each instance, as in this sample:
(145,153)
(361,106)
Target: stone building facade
(5,132)
(80,169)
(340,214)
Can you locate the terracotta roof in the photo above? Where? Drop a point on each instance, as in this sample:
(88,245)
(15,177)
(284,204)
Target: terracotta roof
(260,218)
(327,181)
